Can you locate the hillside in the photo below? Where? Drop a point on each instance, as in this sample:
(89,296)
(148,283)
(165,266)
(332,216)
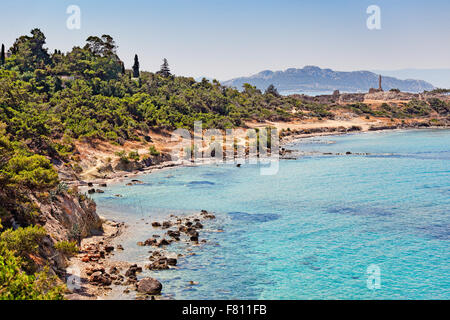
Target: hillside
(312,78)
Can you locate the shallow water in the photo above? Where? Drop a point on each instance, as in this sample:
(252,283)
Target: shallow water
(312,230)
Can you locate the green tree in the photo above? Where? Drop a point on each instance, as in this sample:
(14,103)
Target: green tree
(136,67)
(165,70)
(2,55)
(28,53)
(35,172)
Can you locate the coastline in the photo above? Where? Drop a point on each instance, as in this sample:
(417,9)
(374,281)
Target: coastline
(285,141)
(93,291)
(102,277)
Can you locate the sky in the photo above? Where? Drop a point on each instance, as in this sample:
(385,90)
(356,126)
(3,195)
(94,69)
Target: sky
(232,38)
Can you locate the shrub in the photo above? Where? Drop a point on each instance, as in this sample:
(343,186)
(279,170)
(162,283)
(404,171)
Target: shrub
(112,136)
(15,284)
(122,156)
(75,234)
(23,241)
(153,151)
(134,155)
(77,168)
(68,248)
(33,172)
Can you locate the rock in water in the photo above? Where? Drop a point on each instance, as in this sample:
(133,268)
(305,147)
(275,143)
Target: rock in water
(149,286)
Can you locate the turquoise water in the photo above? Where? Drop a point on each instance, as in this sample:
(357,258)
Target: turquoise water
(312,230)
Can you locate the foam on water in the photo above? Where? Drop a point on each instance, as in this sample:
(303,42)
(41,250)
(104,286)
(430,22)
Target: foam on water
(311,231)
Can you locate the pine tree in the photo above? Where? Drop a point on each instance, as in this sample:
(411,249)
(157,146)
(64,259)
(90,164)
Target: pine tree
(136,67)
(165,70)
(2,55)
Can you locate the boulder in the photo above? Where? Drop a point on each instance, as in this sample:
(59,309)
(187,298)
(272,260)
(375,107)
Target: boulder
(163,242)
(150,242)
(100,278)
(132,270)
(173,234)
(161,264)
(114,270)
(94,269)
(171,261)
(193,233)
(198,225)
(95,277)
(109,249)
(166,225)
(149,286)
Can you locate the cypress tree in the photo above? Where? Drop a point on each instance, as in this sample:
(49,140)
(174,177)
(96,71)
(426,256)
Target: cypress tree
(123,68)
(2,55)
(165,70)
(136,67)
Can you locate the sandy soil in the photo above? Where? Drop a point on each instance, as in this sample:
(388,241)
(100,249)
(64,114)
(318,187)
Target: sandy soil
(308,124)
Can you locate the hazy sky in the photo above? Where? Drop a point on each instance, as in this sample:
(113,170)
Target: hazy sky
(230,38)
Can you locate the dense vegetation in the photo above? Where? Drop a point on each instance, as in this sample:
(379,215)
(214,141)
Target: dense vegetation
(49,100)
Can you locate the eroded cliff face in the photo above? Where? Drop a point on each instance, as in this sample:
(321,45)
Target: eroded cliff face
(67,215)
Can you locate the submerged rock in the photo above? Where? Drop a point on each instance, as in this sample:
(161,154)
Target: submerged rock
(166,224)
(173,234)
(172,261)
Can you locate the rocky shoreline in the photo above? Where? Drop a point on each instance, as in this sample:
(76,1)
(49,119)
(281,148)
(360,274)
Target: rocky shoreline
(97,275)
(287,137)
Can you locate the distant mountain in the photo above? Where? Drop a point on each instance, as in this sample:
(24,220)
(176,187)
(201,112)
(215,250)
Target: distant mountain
(440,78)
(312,78)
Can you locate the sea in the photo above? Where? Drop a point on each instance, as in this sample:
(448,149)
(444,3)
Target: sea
(370,224)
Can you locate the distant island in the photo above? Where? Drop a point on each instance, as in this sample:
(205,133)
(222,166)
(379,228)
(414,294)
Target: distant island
(440,78)
(315,79)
